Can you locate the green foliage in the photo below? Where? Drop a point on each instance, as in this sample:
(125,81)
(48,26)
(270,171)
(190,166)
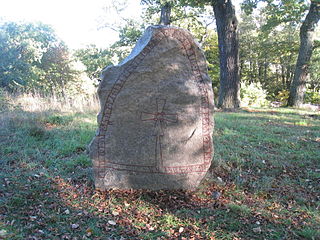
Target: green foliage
(314,80)
(56,71)
(274,45)
(95,59)
(253,95)
(22,47)
(196,19)
(128,37)
(32,59)
(196,3)
(283,97)
(211,51)
(312,97)
(267,57)
(284,11)
(130,33)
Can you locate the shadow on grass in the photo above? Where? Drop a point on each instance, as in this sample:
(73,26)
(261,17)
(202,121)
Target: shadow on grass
(46,189)
(285,112)
(42,207)
(52,208)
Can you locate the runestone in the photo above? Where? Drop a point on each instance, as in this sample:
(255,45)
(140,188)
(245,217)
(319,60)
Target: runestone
(156,120)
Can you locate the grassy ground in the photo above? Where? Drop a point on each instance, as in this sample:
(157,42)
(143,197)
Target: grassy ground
(266,170)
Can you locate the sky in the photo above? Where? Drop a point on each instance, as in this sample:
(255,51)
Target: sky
(76,22)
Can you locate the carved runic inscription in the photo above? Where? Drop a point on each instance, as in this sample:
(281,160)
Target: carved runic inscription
(159,118)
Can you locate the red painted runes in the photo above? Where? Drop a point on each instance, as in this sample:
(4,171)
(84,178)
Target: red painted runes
(159,118)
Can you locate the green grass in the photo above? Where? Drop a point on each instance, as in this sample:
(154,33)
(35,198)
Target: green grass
(266,167)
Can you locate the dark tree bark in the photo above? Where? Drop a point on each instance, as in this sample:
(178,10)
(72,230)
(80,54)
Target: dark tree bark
(227,28)
(165,14)
(298,85)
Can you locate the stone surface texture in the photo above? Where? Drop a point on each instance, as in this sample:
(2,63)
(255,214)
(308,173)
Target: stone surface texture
(156,118)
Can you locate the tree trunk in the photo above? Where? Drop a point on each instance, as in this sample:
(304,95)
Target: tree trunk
(283,74)
(298,85)
(265,73)
(227,28)
(259,71)
(165,14)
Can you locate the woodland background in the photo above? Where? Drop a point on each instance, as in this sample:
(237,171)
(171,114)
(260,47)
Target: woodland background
(34,61)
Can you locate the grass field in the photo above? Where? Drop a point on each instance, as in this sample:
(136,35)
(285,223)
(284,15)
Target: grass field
(266,170)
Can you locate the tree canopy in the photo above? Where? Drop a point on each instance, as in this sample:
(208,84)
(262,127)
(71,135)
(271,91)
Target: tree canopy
(33,59)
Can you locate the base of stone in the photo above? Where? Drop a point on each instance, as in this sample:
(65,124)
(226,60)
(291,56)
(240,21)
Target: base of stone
(114,179)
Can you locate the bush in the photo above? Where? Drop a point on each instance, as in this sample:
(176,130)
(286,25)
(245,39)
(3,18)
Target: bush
(283,97)
(312,97)
(253,95)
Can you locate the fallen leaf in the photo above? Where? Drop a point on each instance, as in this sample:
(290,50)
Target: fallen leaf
(257,230)
(89,232)
(111,222)
(115,213)
(3,233)
(219,180)
(216,195)
(74,226)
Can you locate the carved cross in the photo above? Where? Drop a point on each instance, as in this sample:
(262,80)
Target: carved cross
(159,118)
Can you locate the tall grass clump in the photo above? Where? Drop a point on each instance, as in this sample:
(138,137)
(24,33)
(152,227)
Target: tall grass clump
(77,103)
(6,102)
(32,113)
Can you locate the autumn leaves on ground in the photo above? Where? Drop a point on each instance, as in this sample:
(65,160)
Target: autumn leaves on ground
(264,184)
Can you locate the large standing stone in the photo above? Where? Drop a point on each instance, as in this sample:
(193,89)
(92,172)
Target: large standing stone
(155,123)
